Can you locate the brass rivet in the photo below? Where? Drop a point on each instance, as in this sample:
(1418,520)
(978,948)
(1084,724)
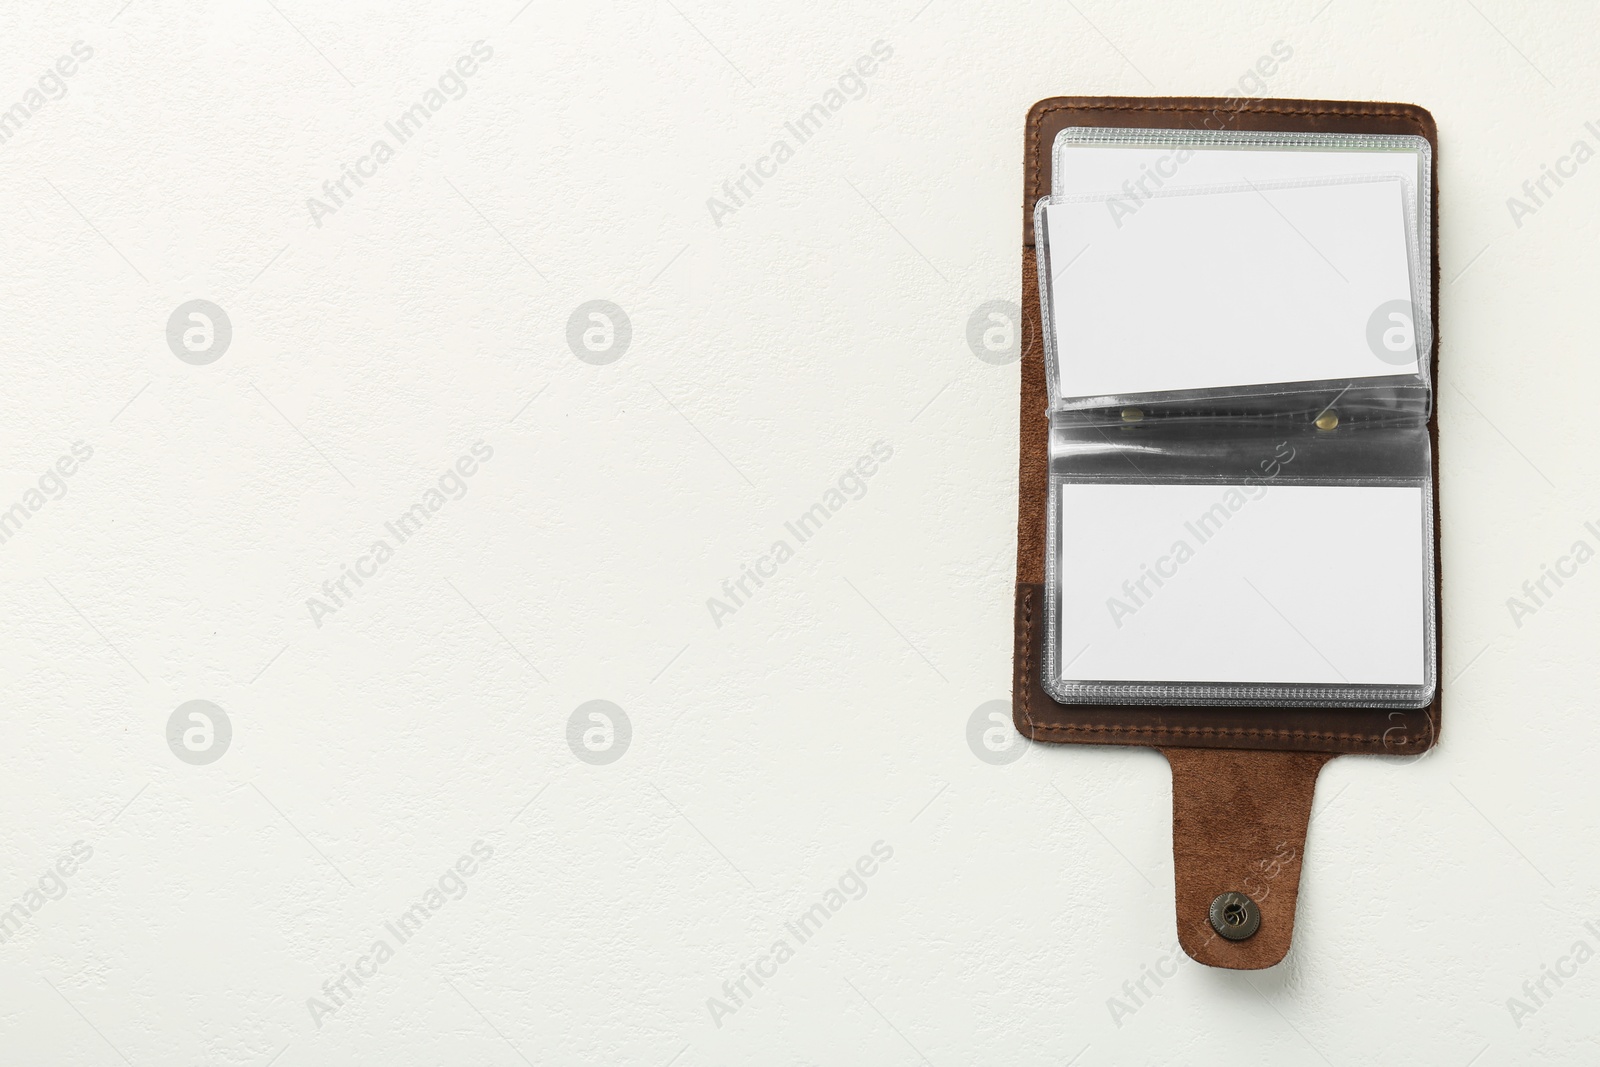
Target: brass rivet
(1234,916)
(1131,414)
(1327,420)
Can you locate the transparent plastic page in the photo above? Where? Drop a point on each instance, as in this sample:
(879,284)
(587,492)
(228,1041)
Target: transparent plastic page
(1179,266)
(1239,561)
(1237,341)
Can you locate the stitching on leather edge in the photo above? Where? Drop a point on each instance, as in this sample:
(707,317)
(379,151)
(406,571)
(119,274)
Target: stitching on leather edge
(1028,665)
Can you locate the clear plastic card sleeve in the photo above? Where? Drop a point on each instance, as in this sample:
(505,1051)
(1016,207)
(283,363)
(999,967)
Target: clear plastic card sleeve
(1241,487)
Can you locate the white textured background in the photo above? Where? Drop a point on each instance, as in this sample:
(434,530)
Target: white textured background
(830,712)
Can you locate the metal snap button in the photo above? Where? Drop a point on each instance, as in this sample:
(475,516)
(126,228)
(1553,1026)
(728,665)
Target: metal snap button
(1235,916)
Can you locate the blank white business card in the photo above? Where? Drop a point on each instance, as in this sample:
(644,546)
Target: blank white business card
(1249,286)
(1242,583)
(1139,170)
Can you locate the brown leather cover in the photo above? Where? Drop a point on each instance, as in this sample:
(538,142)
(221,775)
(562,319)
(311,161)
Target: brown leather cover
(1239,822)
(1232,810)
